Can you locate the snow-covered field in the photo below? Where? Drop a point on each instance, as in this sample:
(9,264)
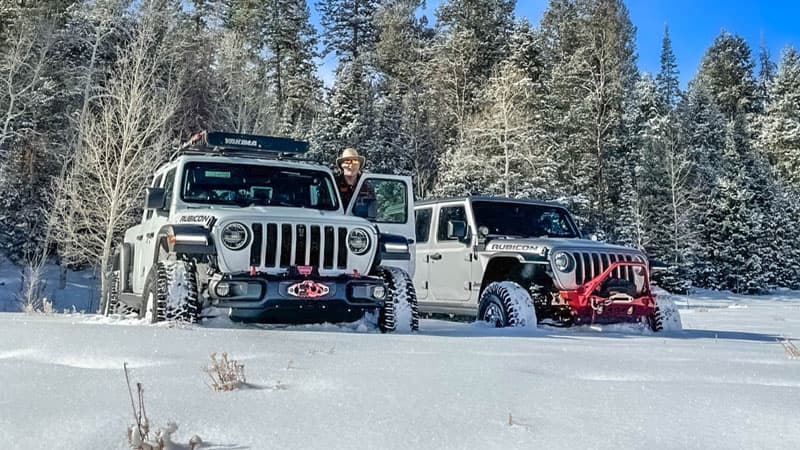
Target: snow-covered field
(725,382)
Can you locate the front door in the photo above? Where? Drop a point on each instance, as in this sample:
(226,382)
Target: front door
(388,202)
(451,257)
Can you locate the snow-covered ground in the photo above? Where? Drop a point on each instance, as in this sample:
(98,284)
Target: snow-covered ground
(725,382)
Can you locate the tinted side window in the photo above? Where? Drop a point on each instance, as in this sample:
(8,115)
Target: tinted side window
(447,214)
(156,183)
(169,183)
(423,224)
(382,201)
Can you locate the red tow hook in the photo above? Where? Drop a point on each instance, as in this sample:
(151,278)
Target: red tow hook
(253,271)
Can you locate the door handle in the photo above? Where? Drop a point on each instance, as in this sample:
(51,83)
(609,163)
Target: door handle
(436,256)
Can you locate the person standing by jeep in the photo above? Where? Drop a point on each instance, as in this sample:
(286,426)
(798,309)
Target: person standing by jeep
(350,164)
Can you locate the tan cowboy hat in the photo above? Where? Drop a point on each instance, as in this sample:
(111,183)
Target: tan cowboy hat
(350,153)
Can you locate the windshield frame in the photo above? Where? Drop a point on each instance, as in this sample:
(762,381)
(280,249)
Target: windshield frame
(305,171)
(477,214)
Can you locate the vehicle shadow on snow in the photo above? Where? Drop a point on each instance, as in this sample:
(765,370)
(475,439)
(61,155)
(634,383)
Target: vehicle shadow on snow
(611,331)
(475,329)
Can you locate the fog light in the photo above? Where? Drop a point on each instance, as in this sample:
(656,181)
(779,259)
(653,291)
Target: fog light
(223,289)
(379,292)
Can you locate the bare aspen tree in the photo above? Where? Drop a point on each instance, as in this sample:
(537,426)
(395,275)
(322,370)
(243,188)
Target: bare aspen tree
(504,122)
(123,139)
(244,105)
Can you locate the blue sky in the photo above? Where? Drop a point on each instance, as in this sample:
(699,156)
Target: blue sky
(693,26)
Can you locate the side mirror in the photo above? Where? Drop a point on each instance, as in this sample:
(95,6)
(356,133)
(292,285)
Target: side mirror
(155,198)
(456,229)
(589,232)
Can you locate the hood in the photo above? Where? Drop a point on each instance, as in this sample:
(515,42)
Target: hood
(207,216)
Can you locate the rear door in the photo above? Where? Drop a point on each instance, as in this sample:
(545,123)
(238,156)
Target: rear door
(388,202)
(424,220)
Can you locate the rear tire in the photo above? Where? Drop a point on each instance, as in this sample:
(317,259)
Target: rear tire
(399,311)
(113,306)
(507,304)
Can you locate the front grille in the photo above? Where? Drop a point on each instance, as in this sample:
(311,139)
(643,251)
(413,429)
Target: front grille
(590,264)
(300,245)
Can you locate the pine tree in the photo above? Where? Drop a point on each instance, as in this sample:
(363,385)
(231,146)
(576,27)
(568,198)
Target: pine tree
(349,28)
(667,78)
(403,112)
(780,132)
(726,71)
(766,72)
(290,41)
(590,49)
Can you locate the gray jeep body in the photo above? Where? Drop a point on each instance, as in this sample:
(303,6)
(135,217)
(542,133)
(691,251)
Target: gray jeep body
(458,257)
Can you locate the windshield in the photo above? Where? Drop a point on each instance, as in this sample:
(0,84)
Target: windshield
(523,220)
(249,184)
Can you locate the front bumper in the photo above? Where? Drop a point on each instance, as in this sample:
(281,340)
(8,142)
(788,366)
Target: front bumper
(298,300)
(587,306)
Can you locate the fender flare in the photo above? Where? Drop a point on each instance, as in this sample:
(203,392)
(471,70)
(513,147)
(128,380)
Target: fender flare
(519,259)
(391,247)
(184,239)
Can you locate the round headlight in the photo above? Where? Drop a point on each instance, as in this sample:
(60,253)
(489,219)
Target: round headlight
(563,261)
(358,241)
(235,236)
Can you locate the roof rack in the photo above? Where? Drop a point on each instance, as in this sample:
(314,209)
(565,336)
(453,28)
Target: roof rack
(217,143)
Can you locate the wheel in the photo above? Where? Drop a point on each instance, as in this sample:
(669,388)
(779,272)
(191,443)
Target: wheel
(399,311)
(171,293)
(666,316)
(506,304)
(113,306)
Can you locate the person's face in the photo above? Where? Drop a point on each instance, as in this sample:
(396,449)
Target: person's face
(350,167)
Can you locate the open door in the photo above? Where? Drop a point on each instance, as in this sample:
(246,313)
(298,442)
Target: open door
(388,202)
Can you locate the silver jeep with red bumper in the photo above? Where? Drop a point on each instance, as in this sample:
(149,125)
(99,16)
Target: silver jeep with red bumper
(515,262)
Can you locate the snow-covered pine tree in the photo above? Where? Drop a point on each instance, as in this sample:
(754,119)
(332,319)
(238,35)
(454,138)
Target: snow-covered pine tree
(766,72)
(731,225)
(641,169)
(667,78)
(405,134)
(726,71)
(290,41)
(590,49)
(349,28)
(198,34)
(349,117)
(780,131)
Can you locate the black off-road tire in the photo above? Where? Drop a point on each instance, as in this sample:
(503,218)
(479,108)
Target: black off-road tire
(171,294)
(506,304)
(400,311)
(666,316)
(113,306)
